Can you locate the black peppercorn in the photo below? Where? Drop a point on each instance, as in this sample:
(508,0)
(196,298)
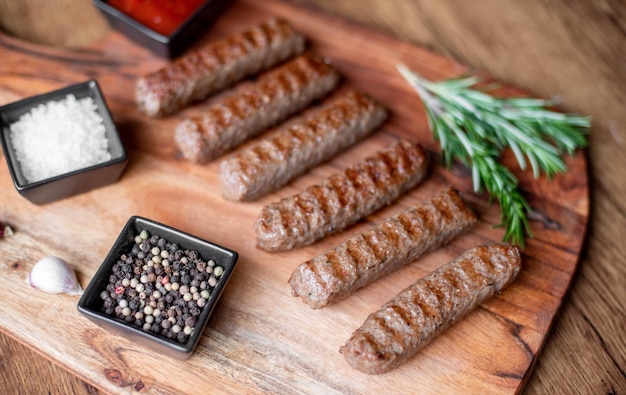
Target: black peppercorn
(134,302)
(145,246)
(177,276)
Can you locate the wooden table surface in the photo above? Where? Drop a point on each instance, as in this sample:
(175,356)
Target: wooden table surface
(575,50)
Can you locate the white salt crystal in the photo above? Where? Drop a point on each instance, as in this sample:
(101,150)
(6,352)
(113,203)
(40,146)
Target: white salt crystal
(59,137)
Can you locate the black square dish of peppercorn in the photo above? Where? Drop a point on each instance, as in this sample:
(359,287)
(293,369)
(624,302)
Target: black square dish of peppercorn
(158,286)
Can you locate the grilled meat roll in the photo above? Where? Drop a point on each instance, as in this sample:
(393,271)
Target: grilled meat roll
(409,321)
(219,64)
(273,161)
(277,94)
(369,255)
(342,199)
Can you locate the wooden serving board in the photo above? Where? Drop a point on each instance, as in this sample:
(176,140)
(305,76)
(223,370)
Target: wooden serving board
(260,338)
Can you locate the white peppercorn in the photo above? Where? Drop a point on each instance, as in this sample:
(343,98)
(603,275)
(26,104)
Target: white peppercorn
(218,271)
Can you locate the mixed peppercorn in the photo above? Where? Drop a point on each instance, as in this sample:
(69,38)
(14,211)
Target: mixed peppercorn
(159,287)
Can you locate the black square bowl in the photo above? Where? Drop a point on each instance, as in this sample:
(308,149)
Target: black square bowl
(91,303)
(74,182)
(166,46)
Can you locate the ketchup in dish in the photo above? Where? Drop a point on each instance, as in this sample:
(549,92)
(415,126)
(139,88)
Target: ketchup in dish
(162,16)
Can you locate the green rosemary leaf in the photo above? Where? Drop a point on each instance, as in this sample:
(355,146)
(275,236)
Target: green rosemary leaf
(474,128)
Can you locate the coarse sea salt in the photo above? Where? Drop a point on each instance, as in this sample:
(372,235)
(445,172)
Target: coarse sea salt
(59,137)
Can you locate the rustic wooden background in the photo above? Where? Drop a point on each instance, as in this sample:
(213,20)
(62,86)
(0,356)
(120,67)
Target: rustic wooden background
(573,49)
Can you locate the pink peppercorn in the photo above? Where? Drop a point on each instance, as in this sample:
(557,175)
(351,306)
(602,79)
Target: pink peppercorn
(165,280)
(120,290)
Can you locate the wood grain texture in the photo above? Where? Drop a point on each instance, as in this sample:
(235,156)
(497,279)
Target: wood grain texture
(576,51)
(596,311)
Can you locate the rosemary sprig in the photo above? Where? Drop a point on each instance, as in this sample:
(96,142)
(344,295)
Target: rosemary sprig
(474,128)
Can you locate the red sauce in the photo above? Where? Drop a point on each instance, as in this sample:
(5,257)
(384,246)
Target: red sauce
(162,16)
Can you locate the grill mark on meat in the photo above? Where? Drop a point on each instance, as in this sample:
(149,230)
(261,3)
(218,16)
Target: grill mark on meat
(406,221)
(219,64)
(345,200)
(384,248)
(276,95)
(288,152)
(429,306)
(356,253)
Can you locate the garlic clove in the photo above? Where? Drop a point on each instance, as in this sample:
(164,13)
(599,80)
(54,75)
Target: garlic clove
(54,275)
